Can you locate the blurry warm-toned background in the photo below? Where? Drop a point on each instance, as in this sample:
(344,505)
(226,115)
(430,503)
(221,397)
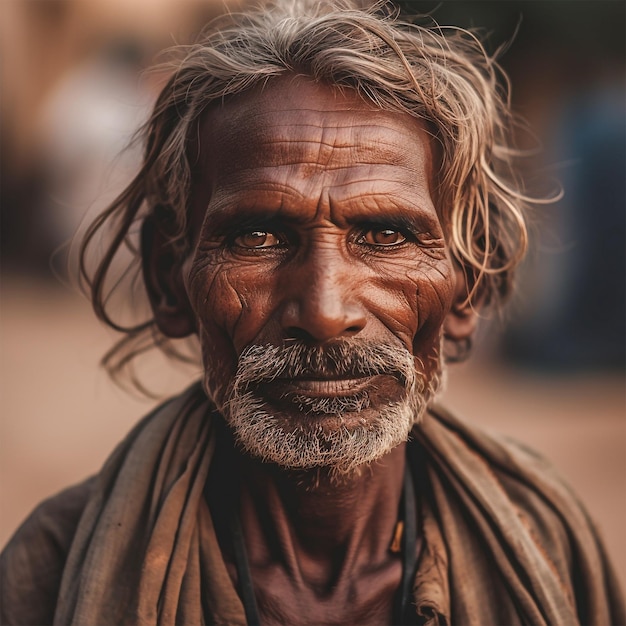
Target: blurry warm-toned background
(550,374)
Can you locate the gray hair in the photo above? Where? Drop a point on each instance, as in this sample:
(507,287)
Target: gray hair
(441,76)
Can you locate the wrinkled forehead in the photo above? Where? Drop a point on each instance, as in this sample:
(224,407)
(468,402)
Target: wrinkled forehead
(293,129)
(299,121)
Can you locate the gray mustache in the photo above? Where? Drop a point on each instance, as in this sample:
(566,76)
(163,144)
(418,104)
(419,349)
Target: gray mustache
(261,363)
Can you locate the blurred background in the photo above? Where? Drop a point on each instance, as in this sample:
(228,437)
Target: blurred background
(550,372)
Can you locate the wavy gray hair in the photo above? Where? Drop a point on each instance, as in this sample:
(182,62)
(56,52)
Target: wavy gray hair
(442,76)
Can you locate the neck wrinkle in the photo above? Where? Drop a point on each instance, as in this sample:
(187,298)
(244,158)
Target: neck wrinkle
(319,529)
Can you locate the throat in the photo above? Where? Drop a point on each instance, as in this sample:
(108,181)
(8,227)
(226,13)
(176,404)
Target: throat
(316,546)
(318,525)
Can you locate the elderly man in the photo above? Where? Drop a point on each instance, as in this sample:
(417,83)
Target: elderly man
(325,203)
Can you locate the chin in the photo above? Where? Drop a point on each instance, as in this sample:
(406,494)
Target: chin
(340,443)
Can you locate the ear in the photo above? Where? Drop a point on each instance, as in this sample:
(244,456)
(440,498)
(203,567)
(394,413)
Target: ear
(462,320)
(162,275)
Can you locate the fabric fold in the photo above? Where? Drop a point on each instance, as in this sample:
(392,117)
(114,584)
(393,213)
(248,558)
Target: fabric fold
(504,541)
(506,518)
(136,554)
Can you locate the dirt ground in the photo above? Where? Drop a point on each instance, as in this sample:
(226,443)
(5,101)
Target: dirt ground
(61,416)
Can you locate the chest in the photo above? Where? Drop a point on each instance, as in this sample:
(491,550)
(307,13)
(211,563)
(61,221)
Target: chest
(364,598)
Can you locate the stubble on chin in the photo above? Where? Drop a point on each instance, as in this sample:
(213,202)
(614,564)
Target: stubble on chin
(337,435)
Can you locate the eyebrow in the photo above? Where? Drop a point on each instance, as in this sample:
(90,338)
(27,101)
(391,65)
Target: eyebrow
(226,220)
(397,221)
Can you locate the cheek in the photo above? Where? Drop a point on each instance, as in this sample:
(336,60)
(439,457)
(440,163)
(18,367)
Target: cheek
(229,305)
(433,294)
(413,298)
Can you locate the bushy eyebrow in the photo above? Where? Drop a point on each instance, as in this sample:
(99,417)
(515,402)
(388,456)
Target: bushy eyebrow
(227,220)
(395,221)
(401,213)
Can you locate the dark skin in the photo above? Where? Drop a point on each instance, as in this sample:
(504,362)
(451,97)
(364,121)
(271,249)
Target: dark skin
(312,218)
(321,555)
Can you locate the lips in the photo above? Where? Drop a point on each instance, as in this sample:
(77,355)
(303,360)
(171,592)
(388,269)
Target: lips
(377,390)
(318,387)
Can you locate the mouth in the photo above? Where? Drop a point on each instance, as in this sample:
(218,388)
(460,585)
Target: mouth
(331,395)
(318,387)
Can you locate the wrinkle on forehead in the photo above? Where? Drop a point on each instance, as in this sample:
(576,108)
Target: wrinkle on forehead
(300,121)
(304,144)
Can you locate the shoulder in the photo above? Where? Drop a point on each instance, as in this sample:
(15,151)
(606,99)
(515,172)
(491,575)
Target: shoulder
(516,475)
(31,564)
(518,469)
(520,495)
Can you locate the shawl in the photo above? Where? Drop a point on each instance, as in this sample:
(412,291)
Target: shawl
(504,540)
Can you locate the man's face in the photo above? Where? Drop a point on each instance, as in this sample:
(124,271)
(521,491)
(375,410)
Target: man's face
(318,267)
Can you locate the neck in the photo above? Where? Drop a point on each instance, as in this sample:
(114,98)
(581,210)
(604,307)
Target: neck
(319,526)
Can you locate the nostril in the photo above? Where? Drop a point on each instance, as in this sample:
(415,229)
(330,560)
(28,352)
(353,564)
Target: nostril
(300,334)
(294,332)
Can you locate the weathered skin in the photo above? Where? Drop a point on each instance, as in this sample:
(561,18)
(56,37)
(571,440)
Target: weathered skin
(313,218)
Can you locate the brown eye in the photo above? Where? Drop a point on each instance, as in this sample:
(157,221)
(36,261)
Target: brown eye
(257,239)
(382,237)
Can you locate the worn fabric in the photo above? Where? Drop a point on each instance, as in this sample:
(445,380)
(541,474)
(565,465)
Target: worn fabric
(504,541)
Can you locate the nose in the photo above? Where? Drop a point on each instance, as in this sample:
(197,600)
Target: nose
(321,303)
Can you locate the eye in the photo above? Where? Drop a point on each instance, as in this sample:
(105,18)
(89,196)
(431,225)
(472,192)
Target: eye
(256,239)
(382,237)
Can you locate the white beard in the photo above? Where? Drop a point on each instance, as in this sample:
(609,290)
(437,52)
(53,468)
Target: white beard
(304,444)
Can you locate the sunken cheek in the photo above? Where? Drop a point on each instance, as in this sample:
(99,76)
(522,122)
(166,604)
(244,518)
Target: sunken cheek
(412,295)
(232,304)
(433,300)
(415,301)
